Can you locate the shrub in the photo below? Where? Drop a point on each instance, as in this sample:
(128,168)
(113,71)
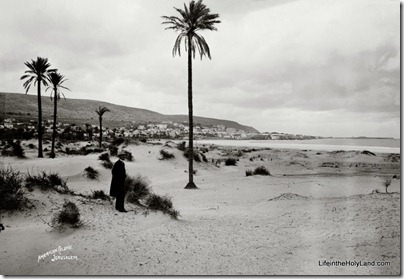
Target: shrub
(113,150)
(261,171)
(91,173)
(13,149)
(162,203)
(104,157)
(106,161)
(136,187)
(248,173)
(118,141)
(31,146)
(165,155)
(45,182)
(238,153)
(12,193)
(82,151)
(204,158)
(99,194)
(197,157)
(181,146)
(69,214)
(107,164)
(230,162)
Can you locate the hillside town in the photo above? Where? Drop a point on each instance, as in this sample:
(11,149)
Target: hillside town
(165,130)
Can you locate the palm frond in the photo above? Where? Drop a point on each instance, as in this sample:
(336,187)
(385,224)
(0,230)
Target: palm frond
(37,70)
(203,47)
(192,18)
(56,80)
(101,110)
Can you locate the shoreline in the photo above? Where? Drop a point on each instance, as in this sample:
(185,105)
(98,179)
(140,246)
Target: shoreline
(298,145)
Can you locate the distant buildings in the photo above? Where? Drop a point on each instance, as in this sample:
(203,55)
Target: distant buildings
(167,129)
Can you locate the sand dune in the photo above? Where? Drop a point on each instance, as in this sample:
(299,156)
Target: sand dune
(315,206)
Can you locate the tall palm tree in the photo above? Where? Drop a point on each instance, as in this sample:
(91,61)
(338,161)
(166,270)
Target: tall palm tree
(193,18)
(56,80)
(100,111)
(38,69)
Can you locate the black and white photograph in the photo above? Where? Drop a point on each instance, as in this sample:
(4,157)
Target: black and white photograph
(200,137)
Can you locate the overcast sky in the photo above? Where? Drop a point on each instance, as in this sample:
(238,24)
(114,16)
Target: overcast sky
(314,67)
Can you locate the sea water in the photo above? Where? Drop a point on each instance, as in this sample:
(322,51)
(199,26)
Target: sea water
(333,144)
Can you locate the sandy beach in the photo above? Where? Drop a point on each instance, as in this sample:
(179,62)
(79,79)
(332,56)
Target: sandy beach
(316,207)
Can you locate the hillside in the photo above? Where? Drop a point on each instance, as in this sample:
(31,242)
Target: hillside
(79,111)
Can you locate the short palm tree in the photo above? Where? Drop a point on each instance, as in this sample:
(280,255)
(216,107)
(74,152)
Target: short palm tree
(195,17)
(100,111)
(36,74)
(56,80)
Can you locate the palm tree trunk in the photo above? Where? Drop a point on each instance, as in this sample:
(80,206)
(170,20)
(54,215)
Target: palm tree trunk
(54,124)
(40,154)
(100,131)
(191,184)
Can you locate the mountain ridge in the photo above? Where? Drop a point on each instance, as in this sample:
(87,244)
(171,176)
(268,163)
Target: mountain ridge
(80,111)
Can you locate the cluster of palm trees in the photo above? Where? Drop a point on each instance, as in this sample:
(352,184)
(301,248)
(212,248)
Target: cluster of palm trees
(193,18)
(39,73)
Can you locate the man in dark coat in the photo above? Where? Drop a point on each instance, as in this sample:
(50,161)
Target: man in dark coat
(118,183)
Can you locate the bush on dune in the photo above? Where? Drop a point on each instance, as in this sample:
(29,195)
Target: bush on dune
(113,150)
(181,146)
(118,141)
(230,162)
(45,182)
(99,194)
(82,151)
(91,173)
(137,188)
(69,215)
(165,155)
(197,156)
(163,204)
(13,149)
(104,157)
(12,192)
(106,161)
(261,170)
(107,164)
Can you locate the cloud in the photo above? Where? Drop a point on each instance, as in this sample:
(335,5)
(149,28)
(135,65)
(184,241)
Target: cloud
(276,65)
